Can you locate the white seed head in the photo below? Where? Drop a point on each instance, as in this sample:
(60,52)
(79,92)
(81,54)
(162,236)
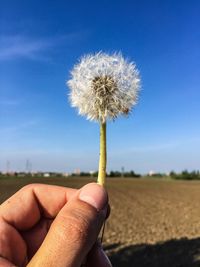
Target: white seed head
(104,86)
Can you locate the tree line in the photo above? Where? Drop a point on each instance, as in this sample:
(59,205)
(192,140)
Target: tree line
(185,175)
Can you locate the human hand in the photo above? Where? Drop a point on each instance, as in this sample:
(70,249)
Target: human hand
(44,225)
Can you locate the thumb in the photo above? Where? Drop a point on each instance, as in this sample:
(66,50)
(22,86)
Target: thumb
(74,230)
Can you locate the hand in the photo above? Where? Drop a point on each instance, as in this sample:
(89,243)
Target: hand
(44,225)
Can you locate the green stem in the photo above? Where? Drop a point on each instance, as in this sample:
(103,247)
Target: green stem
(102,155)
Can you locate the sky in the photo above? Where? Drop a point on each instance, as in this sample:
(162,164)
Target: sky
(40,41)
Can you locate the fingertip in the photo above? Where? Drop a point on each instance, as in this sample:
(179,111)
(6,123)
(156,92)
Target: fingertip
(94,195)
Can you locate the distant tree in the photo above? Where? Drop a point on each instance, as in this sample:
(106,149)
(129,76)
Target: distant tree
(185,175)
(95,174)
(131,174)
(172,174)
(85,174)
(115,174)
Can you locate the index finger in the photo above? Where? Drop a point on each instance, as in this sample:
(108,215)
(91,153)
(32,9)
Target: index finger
(25,208)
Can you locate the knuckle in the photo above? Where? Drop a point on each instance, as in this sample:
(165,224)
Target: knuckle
(28,187)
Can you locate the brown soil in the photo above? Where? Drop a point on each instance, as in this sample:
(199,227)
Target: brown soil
(152,223)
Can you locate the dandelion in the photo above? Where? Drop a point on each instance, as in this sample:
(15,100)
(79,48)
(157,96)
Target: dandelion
(102,88)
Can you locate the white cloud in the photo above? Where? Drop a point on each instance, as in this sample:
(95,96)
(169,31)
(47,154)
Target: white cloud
(6,102)
(16,46)
(21,46)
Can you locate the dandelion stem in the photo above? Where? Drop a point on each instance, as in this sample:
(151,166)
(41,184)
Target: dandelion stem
(102,155)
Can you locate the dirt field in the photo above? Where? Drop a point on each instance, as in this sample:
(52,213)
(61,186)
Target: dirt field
(153,223)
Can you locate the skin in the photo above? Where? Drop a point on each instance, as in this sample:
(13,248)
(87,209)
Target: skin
(44,225)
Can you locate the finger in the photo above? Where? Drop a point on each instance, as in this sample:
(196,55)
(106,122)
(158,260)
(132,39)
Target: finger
(24,209)
(5,263)
(35,236)
(12,246)
(75,229)
(97,257)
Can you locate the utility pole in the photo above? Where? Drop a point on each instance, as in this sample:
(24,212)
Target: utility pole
(7,166)
(28,166)
(122,172)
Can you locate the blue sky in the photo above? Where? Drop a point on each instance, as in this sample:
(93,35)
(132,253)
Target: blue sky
(40,41)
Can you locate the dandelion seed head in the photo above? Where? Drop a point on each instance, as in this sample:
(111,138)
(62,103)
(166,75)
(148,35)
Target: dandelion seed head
(104,86)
